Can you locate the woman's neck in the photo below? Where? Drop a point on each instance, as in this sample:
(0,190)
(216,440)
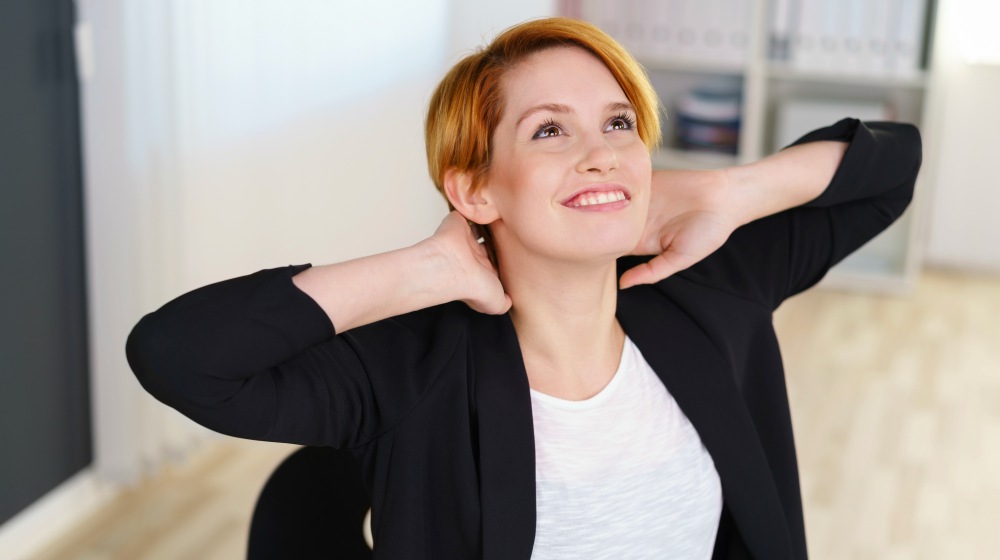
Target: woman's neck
(564,316)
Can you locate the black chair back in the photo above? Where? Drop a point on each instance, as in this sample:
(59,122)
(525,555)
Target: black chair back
(312,506)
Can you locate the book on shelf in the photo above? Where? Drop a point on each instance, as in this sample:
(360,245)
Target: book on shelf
(860,37)
(852,39)
(866,37)
(780,37)
(686,31)
(737,18)
(708,117)
(906,41)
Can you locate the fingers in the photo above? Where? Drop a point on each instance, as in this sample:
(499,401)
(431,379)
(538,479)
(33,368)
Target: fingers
(492,308)
(507,303)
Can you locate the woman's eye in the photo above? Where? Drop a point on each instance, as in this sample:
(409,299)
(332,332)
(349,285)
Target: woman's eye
(548,131)
(622,122)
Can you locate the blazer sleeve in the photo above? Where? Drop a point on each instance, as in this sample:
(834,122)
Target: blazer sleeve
(779,256)
(257,358)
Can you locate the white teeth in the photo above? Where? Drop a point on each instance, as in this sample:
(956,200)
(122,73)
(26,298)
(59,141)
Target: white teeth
(591,199)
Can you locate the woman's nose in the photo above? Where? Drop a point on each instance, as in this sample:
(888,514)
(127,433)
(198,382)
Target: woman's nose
(597,155)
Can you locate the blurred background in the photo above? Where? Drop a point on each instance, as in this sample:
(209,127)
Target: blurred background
(150,147)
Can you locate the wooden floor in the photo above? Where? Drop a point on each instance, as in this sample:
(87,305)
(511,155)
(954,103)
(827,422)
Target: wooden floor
(896,404)
(197,511)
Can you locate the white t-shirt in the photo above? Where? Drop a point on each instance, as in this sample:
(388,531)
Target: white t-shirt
(622,474)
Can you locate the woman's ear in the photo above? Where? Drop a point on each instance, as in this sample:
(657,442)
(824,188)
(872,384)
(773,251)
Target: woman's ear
(475,206)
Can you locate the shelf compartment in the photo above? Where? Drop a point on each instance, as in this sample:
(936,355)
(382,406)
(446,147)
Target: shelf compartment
(672,158)
(778,71)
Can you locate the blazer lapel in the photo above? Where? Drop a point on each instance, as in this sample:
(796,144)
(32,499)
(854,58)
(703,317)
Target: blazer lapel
(506,439)
(701,382)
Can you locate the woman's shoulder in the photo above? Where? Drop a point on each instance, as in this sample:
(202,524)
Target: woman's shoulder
(724,274)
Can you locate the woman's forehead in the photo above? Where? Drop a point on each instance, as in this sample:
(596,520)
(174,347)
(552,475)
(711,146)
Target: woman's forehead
(566,76)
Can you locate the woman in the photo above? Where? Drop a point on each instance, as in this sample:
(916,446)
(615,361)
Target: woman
(536,393)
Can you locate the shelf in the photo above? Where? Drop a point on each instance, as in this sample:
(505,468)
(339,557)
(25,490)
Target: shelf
(881,266)
(787,73)
(672,158)
(889,264)
(693,66)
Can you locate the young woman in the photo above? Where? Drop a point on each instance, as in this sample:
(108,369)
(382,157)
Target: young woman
(522,388)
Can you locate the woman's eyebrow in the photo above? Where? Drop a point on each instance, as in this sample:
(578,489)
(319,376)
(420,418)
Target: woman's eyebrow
(619,106)
(550,107)
(560,108)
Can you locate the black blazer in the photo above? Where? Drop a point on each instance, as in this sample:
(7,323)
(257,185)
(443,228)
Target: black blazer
(435,403)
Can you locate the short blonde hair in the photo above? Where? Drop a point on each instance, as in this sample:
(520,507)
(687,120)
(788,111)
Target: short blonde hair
(469,103)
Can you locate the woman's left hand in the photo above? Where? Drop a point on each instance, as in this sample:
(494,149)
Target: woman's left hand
(691,215)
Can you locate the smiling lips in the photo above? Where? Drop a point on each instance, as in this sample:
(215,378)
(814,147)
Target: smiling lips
(599,200)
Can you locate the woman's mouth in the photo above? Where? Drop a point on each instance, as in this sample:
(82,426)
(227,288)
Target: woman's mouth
(594,199)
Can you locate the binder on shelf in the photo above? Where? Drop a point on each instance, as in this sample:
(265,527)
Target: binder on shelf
(676,31)
(832,25)
(780,39)
(634,31)
(860,37)
(662,26)
(689,32)
(875,49)
(708,25)
(624,20)
(807,26)
(852,39)
(737,19)
(725,37)
(905,43)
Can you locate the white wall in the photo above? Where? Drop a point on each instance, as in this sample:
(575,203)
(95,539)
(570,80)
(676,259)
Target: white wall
(962,155)
(307,146)
(475,22)
(301,135)
(223,137)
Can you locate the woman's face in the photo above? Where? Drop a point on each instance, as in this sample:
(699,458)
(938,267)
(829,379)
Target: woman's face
(569,175)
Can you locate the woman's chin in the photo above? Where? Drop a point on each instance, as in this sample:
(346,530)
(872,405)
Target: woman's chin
(605,249)
(590,247)
(613,242)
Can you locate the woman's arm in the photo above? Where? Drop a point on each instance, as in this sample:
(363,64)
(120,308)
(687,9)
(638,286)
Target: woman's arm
(863,175)
(693,212)
(257,357)
(448,266)
(792,177)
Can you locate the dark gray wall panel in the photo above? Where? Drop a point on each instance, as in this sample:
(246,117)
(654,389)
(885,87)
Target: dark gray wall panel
(44,394)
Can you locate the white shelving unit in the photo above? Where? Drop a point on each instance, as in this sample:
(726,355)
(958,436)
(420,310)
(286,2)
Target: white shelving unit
(888,264)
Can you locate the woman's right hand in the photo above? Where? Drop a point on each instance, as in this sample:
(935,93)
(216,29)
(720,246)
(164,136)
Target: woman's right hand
(476,281)
(447,266)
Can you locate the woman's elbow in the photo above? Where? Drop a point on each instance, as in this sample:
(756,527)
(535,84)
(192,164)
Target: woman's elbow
(150,355)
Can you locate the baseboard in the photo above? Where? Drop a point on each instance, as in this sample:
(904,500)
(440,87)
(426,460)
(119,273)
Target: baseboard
(43,522)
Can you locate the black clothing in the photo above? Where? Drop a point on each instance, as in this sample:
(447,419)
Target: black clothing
(435,403)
